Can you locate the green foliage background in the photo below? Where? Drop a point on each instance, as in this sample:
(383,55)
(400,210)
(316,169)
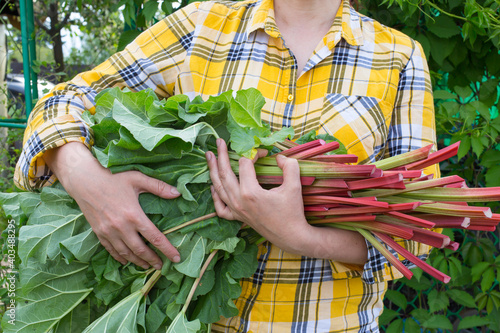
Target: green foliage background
(461,40)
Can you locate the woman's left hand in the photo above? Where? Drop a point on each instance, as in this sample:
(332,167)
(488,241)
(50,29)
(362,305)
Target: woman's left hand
(277,214)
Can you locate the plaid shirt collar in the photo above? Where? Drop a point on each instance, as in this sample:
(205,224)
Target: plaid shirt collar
(347,24)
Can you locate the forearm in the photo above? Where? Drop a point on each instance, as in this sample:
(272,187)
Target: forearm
(71,162)
(331,243)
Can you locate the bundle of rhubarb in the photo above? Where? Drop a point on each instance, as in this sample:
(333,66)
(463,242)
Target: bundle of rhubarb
(68,282)
(389,198)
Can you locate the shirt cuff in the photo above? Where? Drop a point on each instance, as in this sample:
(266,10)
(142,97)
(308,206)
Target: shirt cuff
(31,170)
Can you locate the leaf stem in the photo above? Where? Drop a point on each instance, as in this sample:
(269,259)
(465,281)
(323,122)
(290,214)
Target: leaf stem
(151,282)
(197,281)
(193,221)
(430,3)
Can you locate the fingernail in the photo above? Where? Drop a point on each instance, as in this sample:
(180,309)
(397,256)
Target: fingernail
(281,157)
(208,155)
(174,191)
(176,259)
(145,266)
(218,141)
(157,267)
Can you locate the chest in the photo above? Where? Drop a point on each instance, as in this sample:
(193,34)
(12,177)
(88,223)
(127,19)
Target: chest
(345,92)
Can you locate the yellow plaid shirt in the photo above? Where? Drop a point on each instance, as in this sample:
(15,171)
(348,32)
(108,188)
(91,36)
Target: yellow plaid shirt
(365,84)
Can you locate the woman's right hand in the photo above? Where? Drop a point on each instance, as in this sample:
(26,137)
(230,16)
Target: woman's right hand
(110,202)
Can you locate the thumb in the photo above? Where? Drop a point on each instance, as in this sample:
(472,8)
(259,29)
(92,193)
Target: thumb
(291,172)
(151,185)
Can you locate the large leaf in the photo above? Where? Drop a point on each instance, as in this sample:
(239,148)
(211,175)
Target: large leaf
(149,136)
(50,292)
(54,223)
(120,318)
(182,325)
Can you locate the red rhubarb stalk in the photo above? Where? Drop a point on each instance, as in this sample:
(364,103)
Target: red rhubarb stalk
(278,180)
(386,253)
(456,194)
(319,199)
(416,187)
(314,151)
(404,159)
(345,158)
(414,259)
(434,158)
(336,183)
(412,219)
(311,190)
(302,147)
(405,174)
(374,182)
(452,246)
(346,218)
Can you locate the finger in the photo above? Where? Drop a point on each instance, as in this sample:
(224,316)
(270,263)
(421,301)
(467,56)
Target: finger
(221,208)
(260,153)
(128,253)
(151,185)
(248,178)
(141,250)
(226,174)
(159,241)
(107,245)
(214,176)
(291,172)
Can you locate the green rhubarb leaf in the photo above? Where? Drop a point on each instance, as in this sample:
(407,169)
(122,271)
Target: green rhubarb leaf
(76,320)
(166,111)
(191,265)
(149,136)
(49,292)
(219,301)
(51,224)
(180,324)
(120,318)
(156,313)
(80,247)
(18,204)
(246,108)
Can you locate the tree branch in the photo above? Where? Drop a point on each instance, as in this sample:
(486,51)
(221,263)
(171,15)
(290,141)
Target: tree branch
(40,24)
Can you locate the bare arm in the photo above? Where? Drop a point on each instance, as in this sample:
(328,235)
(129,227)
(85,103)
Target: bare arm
(278,214)
(110,202)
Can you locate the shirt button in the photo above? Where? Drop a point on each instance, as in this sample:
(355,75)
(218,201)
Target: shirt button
(290,97)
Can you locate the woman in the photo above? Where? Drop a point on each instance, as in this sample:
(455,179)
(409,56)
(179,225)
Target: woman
(321,66)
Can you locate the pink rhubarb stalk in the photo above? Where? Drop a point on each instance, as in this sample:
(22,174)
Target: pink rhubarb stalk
(303,147)
(320,199)
(386,253)
(278,180)
(346,218)
(455,194)
(345,158)
(411,219)
(374,182)
(319,150)
(434,158)
(404,159)
(414,259)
